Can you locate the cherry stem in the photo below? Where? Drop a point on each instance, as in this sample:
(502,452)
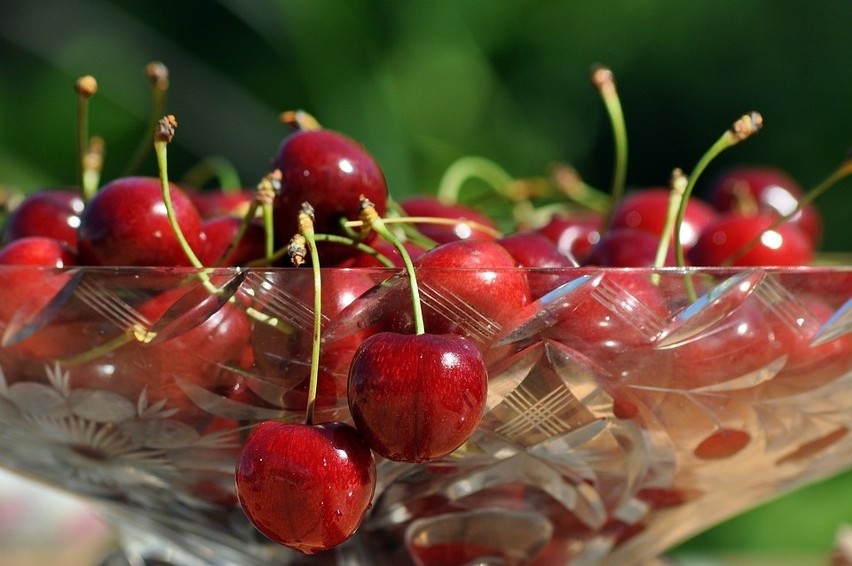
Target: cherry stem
(264,195)
(306,233)
(569,183)
(214,167)
(163,136)
(410,230)
(86,86)
(372,219)
(745,127)
(93,162)
(467,168)
(836,176)
(474,225)
(158,76)
(678,184)
(604,81)
(299,120)
(333,238)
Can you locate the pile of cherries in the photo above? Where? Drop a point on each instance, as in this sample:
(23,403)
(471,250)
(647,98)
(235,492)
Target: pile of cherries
(414,396)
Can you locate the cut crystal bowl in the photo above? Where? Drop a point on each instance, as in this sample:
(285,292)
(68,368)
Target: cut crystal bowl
(628,409)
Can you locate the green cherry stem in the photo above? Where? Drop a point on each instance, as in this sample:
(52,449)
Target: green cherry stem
(93,162)
(467,168)
(214,167)
(474,225)
(678,184)
(297,248)
(86,86)
(158,76)
(372,219)
(568,182)
(746,126)
(162,137)
(604,81)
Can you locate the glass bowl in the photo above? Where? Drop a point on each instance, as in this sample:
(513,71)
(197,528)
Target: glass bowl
(627,410)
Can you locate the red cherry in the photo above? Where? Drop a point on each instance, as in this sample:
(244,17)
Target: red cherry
(469,287)
(534,250)
(192,348)
(331,172)
(627,247)
(417,397)
(727,240)
(26,292)
(280,356)
(574,235)
(646,210)
(126,223)
(307,487)
(38,251)
(443,233)
(49,213)
(760,190)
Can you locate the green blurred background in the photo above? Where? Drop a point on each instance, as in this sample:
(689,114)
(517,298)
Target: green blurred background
(423,83)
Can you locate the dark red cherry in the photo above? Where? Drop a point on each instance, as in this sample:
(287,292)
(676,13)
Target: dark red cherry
(417,397)
(754,189)
(574,235)
(38,251)
(746,240)
(646,210)
(126,223)
(307,487)
(51,213)
(27,291)
(442,233)
(534,250)
(469,287)
(331,172)
(627,247)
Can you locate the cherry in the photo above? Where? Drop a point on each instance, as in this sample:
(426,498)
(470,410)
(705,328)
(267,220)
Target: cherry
(747,240)
(470,287)
(126,223)
(417,397)
(626,247)
(332,172)
(39,251)
(764,190)
(26,292)
(187,345)
(52,213)
(428,206)
(534,250)
(646,210)
(574,235)
(307,487)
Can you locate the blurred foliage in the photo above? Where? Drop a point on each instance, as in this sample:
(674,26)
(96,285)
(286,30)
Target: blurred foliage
(423,83)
